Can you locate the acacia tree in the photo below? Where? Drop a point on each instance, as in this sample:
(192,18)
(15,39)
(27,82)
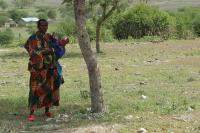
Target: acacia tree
(100,11)
(107,7)
(97,104)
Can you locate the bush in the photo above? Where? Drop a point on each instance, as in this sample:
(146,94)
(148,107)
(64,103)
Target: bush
(52,13)
(106,35)
(196,25)
(186,22)
(42,16)
(142,20)
(6,37)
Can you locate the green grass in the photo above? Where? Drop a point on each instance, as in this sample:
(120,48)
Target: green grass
(167,73)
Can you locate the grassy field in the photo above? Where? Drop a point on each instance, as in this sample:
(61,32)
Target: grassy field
(146,85)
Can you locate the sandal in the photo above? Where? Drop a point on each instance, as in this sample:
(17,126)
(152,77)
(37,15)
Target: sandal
(31,117)
(49,114)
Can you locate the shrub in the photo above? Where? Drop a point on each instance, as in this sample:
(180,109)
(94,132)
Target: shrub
(42,16)
(106,35)
(186,22)
(142,20)
(52,13)
(196,25)
(6,37)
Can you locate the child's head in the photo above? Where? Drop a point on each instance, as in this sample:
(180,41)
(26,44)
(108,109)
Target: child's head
(63,41)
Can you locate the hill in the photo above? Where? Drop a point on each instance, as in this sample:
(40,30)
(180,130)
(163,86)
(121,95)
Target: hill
(163,4)
(175,4)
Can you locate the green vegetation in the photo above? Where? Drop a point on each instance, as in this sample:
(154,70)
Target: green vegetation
(3,4)
(166,73)
(17,14)
(143,22)
(150,76)
(6,37)
(140,21)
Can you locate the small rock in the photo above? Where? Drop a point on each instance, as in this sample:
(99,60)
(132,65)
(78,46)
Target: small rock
(137,117)
(142,130)
(143,83)
(144,97)
(116,69)
(137,73)
(88,109)
(49,119)
(129,117)
(190,109)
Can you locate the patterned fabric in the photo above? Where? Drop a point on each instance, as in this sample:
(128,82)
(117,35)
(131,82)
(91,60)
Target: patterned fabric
(44,91)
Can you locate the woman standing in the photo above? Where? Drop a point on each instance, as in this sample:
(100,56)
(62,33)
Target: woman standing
(44,92)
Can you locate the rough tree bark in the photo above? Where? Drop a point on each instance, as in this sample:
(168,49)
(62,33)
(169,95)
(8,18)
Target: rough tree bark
(97,104)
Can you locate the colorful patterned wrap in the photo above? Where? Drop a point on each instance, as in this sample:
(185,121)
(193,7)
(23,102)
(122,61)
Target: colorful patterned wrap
(44,92)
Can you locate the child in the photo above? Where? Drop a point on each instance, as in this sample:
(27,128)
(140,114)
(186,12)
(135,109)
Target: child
(59,48)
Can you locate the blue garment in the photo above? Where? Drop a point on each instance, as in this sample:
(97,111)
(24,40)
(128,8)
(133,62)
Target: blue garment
(59,68)
(59,50)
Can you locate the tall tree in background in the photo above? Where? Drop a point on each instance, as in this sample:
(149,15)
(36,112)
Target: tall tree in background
(107,7)
(97,104)
(104,8)
(100,11)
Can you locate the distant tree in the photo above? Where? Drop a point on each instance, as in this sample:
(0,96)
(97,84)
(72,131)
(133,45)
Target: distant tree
(17,14)
(52,13)
(66,10)
(23,3)
(3,4)
(104,9)
(42,16)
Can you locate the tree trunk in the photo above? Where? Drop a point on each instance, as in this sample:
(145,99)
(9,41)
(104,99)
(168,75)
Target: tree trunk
(97,104)
(98,28)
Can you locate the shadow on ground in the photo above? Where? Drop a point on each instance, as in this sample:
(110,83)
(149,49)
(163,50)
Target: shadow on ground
(13,113)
